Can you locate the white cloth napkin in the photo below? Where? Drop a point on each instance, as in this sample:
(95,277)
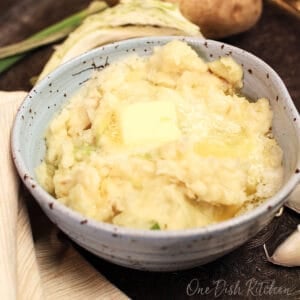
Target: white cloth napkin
(46,267)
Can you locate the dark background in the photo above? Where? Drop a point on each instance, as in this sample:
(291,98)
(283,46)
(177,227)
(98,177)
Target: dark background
(275,39)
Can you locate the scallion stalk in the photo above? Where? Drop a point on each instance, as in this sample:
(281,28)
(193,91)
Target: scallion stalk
(11,54)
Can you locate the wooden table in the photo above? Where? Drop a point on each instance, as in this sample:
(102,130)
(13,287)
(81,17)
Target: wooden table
(275,39)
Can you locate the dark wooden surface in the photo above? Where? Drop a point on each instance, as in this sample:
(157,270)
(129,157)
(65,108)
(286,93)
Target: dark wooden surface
(276,39)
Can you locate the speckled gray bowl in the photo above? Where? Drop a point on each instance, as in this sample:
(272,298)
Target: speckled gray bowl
(146,249)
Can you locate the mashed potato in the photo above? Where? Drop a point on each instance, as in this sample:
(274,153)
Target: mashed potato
(162,142)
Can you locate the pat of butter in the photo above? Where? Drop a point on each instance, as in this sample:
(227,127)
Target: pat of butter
(152,122)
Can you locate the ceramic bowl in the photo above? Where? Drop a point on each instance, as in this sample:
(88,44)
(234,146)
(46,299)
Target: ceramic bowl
(146,249)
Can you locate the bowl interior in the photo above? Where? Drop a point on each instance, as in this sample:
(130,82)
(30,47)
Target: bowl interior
(48,97)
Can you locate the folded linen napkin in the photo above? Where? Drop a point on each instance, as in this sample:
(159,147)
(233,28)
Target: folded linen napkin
(45,267)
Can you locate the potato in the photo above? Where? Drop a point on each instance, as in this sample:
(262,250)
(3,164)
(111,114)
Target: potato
(219,18)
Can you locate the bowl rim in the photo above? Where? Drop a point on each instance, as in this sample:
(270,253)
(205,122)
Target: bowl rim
(42,197)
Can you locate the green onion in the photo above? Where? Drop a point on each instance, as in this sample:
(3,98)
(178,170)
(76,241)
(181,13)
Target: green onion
(11,54)
(155,226)
(32,43)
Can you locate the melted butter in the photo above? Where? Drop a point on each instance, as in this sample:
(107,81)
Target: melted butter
(230,146)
